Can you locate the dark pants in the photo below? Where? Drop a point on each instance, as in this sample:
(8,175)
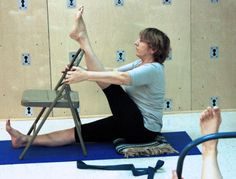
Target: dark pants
(126,121)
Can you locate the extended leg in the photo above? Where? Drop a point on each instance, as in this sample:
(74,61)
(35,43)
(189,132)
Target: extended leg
(53,139)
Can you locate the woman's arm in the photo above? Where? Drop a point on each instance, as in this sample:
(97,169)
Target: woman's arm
(78,74)
(112,77)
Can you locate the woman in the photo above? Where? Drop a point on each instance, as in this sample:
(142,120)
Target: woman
(136,105)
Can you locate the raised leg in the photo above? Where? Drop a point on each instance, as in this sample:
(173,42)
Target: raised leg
(210,121)
(79,34)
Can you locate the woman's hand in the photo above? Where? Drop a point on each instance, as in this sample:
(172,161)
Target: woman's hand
(76,74)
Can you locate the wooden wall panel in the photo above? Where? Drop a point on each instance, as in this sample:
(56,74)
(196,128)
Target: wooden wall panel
(22,32)
(191,76)
(213,25)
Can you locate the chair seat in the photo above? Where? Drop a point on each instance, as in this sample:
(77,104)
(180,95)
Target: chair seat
(44,98)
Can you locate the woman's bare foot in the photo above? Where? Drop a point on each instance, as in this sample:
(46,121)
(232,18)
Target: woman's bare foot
(79,32)
(210,121)
(18,139)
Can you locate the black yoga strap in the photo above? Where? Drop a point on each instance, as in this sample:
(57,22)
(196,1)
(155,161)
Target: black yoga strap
(150,171)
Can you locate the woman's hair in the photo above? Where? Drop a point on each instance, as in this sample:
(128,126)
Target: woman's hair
(158,41)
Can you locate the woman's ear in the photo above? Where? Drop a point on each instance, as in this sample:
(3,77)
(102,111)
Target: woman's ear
(153,50)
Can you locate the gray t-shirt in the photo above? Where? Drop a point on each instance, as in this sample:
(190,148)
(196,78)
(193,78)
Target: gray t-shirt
(147,89)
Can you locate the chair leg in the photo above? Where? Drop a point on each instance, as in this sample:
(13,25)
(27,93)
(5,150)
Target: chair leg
(36,121)
(78,128)
(76,120)
(35,133)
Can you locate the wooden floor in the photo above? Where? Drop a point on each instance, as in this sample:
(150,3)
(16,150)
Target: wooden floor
(172,122)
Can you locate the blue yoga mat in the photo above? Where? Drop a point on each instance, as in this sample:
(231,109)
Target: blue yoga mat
(96,151)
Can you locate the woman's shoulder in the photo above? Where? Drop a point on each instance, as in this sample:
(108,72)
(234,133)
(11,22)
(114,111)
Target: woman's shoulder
(155,65)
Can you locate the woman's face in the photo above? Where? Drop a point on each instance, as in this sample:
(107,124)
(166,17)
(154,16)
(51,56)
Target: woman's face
(143,50)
